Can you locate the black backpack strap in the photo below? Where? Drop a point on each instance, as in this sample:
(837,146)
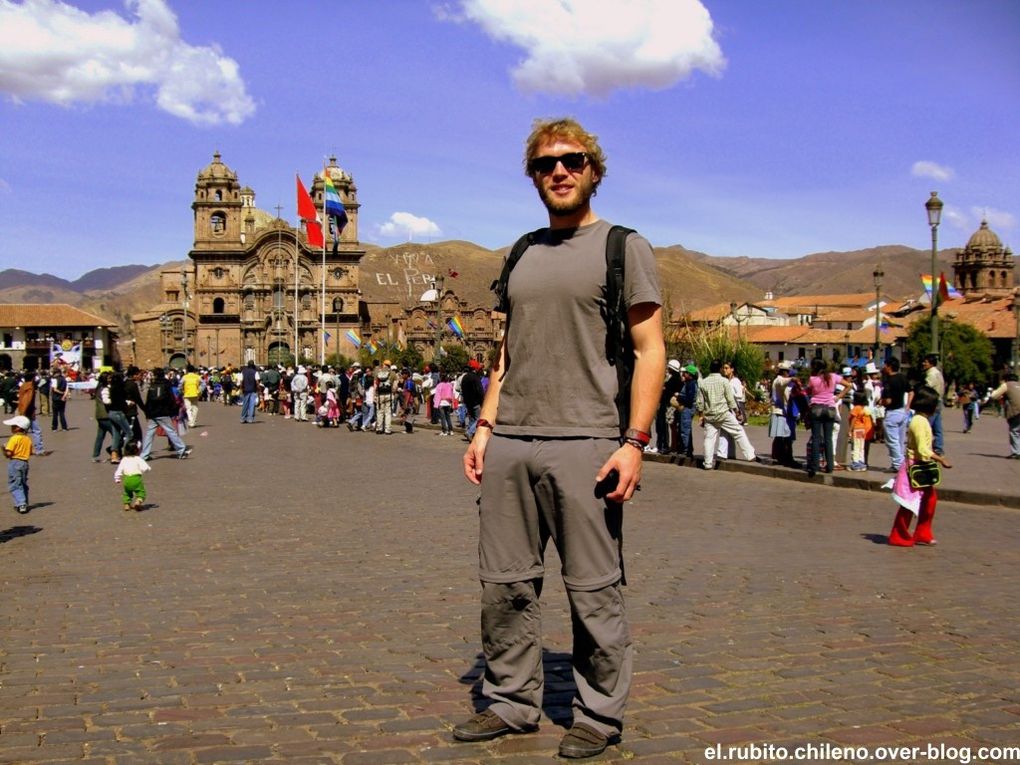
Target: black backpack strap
(619,348)
(501,284)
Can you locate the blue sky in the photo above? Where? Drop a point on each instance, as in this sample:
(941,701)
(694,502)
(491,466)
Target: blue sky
(737,127)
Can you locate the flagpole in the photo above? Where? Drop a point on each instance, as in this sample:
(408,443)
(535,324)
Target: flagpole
(297,311)
(322,328)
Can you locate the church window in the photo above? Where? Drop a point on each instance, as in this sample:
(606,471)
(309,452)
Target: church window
(218,223)
(219,195)
(218,272)
(178,328)
(338,305)
(218,305)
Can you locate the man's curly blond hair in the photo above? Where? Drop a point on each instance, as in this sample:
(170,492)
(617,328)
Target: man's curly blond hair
(545,130)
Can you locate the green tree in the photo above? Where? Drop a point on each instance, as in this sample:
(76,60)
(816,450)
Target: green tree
(454,358)
(704,345)
(966,353)
(338,361)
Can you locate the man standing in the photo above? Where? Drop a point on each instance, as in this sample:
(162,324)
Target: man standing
(299,389)
(471,397)
(718,409)
(383,380)
(667,419)
(160,407)
(933,379)
(26,408)
(249,392)
(1009,392)
(549,458)
(42,387)
(191,389)
(727,448)
(270,380)
(688,399)
(896,400)
(59,393)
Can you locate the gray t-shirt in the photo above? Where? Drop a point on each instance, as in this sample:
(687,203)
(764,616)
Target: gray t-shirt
(558,382)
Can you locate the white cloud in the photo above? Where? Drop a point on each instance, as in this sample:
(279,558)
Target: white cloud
(593,47)
(405,224)
(51,51)
(933,170)
(5,187)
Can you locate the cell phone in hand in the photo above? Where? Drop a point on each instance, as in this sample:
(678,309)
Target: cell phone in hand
(607,485)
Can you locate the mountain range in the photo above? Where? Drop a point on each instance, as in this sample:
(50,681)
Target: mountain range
(690,279)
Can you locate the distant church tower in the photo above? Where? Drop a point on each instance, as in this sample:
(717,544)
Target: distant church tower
(217,206)
(348,192)
(984,266)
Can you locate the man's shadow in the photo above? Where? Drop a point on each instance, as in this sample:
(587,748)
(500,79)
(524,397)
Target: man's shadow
(17,531)
(559,686)
(878,539)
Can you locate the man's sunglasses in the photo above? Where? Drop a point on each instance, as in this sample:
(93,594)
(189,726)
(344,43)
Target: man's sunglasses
(573,162)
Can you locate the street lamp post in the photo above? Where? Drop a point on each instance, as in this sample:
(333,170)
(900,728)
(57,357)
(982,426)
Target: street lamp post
(435,294)
(184,295)
(164,336)
(877,275)
(934,208)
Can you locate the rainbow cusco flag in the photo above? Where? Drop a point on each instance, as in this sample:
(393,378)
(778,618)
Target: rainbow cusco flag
(455,326)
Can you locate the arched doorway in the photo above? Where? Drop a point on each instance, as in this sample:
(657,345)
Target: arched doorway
(178,361)
(279,353)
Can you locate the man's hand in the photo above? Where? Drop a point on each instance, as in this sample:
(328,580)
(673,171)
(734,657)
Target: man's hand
(627,462)
(474,457)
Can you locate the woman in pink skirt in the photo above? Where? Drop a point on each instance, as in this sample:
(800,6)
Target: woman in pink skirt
(917,502)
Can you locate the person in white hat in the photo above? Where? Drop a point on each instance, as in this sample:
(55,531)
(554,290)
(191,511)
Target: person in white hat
(17,450)
(666,422)
(782,428)
(299,390)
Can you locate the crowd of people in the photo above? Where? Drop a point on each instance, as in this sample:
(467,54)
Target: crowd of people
(843,411)
(370,398)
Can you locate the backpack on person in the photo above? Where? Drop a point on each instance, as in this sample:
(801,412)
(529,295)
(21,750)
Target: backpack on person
(619,346)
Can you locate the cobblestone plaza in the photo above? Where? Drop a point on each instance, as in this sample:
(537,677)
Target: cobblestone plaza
(303,595)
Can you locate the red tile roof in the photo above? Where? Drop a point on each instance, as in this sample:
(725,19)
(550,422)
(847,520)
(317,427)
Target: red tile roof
(47,315)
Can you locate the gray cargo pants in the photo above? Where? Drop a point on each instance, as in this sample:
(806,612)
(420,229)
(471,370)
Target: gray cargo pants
(534,489)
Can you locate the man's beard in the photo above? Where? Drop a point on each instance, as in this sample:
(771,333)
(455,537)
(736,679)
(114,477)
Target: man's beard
(562,208)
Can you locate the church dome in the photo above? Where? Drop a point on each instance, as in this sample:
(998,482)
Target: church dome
(216,171)
(984,239)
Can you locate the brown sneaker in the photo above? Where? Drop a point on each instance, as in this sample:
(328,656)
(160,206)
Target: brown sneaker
(582,741)
(484,726)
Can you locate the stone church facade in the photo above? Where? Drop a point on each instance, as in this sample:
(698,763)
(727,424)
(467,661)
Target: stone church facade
(254,289)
